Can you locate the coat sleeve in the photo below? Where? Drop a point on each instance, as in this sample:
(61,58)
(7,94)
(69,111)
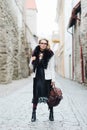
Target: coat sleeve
(30,64)
(52,68)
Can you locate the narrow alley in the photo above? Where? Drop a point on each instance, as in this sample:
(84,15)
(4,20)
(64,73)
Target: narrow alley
(16,107)
(31,32)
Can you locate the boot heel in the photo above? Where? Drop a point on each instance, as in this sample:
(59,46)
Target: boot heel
(51,117)
(33,119)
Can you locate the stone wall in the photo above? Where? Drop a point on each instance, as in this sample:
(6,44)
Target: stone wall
(84,26)
(84,35)
(12,43)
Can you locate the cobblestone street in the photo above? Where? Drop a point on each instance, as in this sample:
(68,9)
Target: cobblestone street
(16,107)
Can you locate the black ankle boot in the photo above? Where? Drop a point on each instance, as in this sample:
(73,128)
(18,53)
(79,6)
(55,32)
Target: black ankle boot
(33,116)
(51,117)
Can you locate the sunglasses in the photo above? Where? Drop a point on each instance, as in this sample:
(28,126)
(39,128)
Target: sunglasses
(45,43)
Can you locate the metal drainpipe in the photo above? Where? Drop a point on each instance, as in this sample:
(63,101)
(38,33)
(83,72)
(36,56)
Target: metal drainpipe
(72,53)
(82,66)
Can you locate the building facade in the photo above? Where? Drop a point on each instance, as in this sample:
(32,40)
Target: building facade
(75,24)
(31,21)
(83,35)
(60,51)
(72,20)
(64,53)
(68,40)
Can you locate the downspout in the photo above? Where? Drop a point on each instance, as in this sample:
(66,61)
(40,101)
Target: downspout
(82,66)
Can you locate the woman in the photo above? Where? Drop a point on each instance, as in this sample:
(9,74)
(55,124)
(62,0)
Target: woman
(44,76)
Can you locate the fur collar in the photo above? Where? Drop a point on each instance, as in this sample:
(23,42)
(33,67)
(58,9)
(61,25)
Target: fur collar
(47,54)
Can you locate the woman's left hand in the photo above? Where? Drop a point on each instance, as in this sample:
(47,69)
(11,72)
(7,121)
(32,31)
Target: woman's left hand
(53,84)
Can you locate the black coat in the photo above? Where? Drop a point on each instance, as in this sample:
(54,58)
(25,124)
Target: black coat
(41,87)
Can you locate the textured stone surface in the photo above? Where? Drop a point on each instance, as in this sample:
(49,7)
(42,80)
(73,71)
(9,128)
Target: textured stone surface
(84,34)
(12,36)
(84,24)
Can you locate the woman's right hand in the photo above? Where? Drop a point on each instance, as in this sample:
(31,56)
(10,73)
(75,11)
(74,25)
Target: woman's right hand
(33,58)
